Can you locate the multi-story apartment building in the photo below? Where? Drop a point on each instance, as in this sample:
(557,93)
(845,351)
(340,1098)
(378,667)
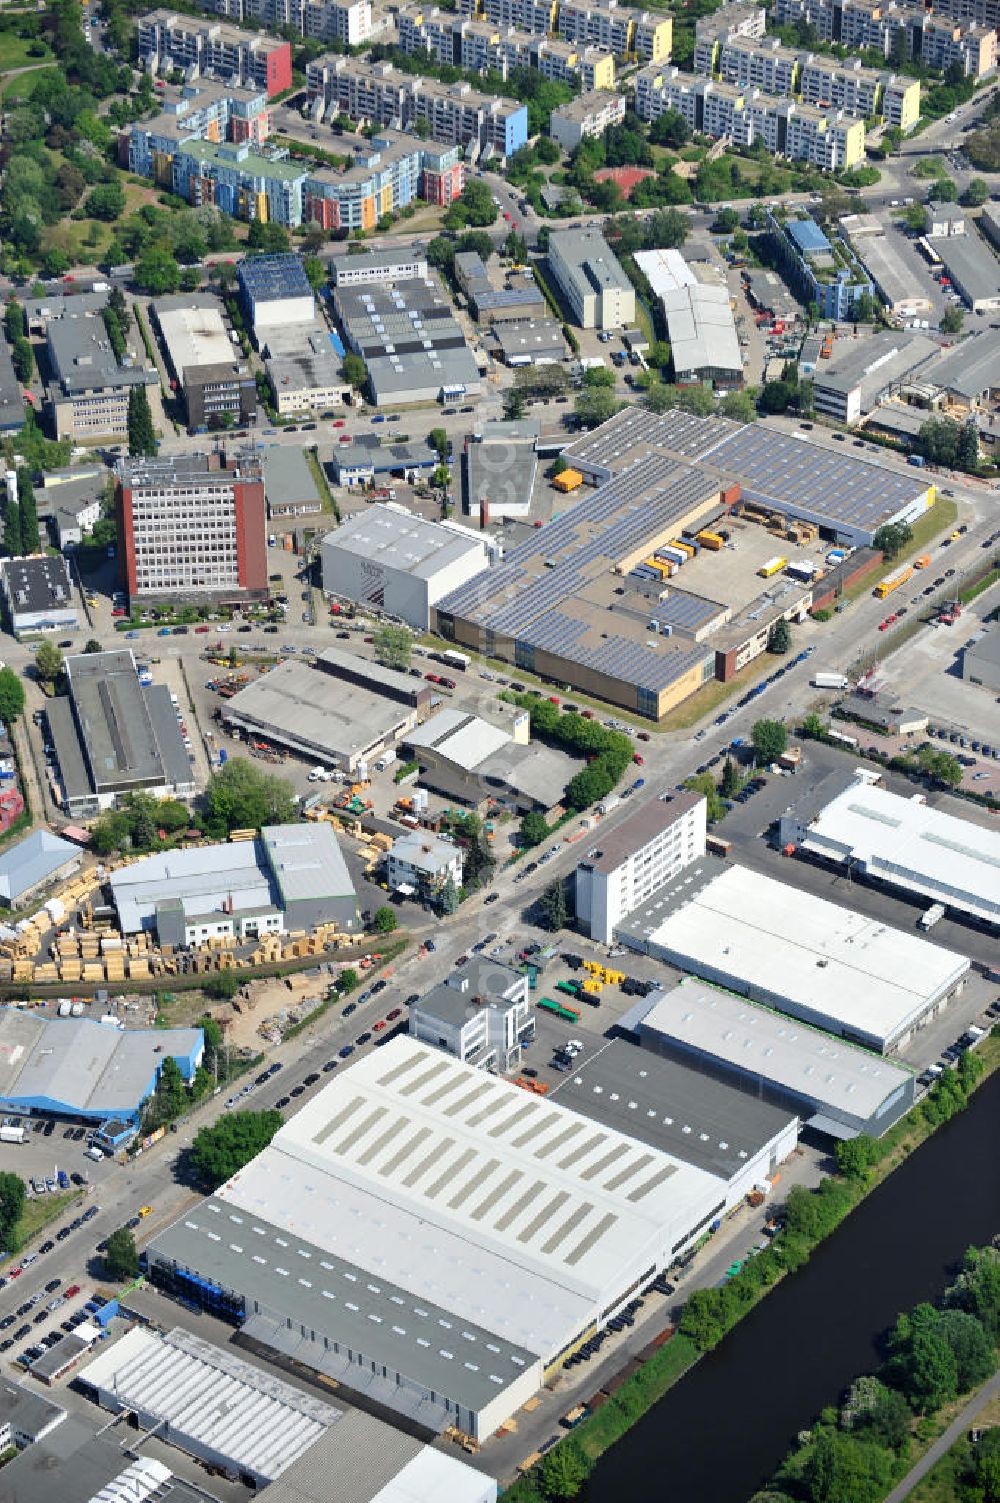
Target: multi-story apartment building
(480,46)
(850,87)
(637,859)
(824,138)
(193,527)
(206,110)
(587,115)
(200,48)
(617,28)
(736,20)
(455,114)
(762,64)
(393,172)
(823,272)
(935,37)
(347,21)
(536,16)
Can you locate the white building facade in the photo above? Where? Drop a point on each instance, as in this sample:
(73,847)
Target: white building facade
(643,853)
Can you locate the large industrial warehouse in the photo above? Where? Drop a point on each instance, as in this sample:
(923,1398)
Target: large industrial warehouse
(850,975)
(388,558)
(837,1088)
(847,496)
(900,841)
(435,1237)
(77,1067)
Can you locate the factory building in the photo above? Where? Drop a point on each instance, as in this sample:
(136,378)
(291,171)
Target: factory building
(533,1225)
(339,709)
(865,372)
(836,1088)
(412,345)
(193,528)
(275,291)
(708,1124)
(114,735)
(478,761)
(701,326)
(88,394)
(231,1414)
(597,291)
(648,849)
(78,1067)
(217,383)
(901,842)
(392,560)
(31,864)
(37,594)
(811,959)
(289,877)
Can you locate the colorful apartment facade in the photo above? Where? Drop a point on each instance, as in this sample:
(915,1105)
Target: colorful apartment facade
(827,138)
(206,110)
(347,21)
(453,114)
(482,46)
(211,48)
(937,38)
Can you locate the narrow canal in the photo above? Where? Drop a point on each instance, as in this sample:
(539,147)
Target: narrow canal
(721,1432)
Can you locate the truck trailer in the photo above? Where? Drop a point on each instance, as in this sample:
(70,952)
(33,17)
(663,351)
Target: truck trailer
(821,680)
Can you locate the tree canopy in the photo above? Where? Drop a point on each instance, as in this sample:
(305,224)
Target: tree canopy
(220,1150)
(393,646)
(120,1256)
(769,739)
(11,696)
(241,796)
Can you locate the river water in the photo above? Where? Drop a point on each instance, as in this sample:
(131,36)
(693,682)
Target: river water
(720,1433)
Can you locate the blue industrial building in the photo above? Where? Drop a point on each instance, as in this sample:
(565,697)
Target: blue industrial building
(86,1070)
(820,271)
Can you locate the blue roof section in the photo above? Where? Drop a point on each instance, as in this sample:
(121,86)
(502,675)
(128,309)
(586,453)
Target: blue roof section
(338,344)
(807,236)
(266,278)
(30,861)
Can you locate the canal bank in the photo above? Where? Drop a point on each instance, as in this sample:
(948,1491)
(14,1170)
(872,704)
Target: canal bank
(719,1434)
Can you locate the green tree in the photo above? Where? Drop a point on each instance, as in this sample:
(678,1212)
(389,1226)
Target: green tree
(315,270)
(564,1471)
(241,796)
(700,1320)
(855,1156)
(704,783)
(48,662)
(12,527)
(12,1201)
(156,272)
(892,538)
(107,202)
(880,1413)
(594,407)
(384,919)
(438,439)
(220,1151)
(141,436)
(599,378)
(533,830)
(393,646)
(441,254)
(513,404)
(967,456)
(120,1256)
(952,320)
(726,221)
(976,193)
(730,782)
(31,540)
(917,218)
(840,1469)
(921,1363)
(23,360)
(93,645)
(222,985)
(11,696)
(779,638)
(552,905)
(974,1353)
(769,739)
(448,897)
(348,980)
(813,728)
(943,190)
(355,371)
(977,1288)
(268,239)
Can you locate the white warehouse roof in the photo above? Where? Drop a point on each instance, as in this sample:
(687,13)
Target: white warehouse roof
(804,1060)
(504,1208)
(210,1401)
(390,535)
(805,955)
(905,842)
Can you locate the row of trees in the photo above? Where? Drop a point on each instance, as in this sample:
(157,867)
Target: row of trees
(953,445)
(610,751)
(240,796)
(21,532)
(858,1450)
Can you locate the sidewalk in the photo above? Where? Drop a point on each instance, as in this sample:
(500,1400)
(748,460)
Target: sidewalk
(944,1443)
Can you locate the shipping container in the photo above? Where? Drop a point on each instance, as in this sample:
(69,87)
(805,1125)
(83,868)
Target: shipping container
(773,566)
(568,480)
(711,541)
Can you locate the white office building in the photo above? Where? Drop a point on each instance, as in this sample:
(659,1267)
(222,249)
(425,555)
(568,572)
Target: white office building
(646,851)
(421,864)
(482,1014)
(599,294)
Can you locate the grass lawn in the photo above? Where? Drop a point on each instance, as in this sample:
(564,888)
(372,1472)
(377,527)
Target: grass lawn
(715,694)
(941,517)
(14,52)
(39,1211)
(13,89)
(930,167)
(427,217)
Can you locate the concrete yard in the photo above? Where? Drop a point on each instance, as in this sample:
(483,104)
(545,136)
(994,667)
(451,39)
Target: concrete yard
(730,576)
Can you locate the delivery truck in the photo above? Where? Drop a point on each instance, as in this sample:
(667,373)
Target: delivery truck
(821,680)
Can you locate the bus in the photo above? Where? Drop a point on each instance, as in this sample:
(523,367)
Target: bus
(567,1014)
